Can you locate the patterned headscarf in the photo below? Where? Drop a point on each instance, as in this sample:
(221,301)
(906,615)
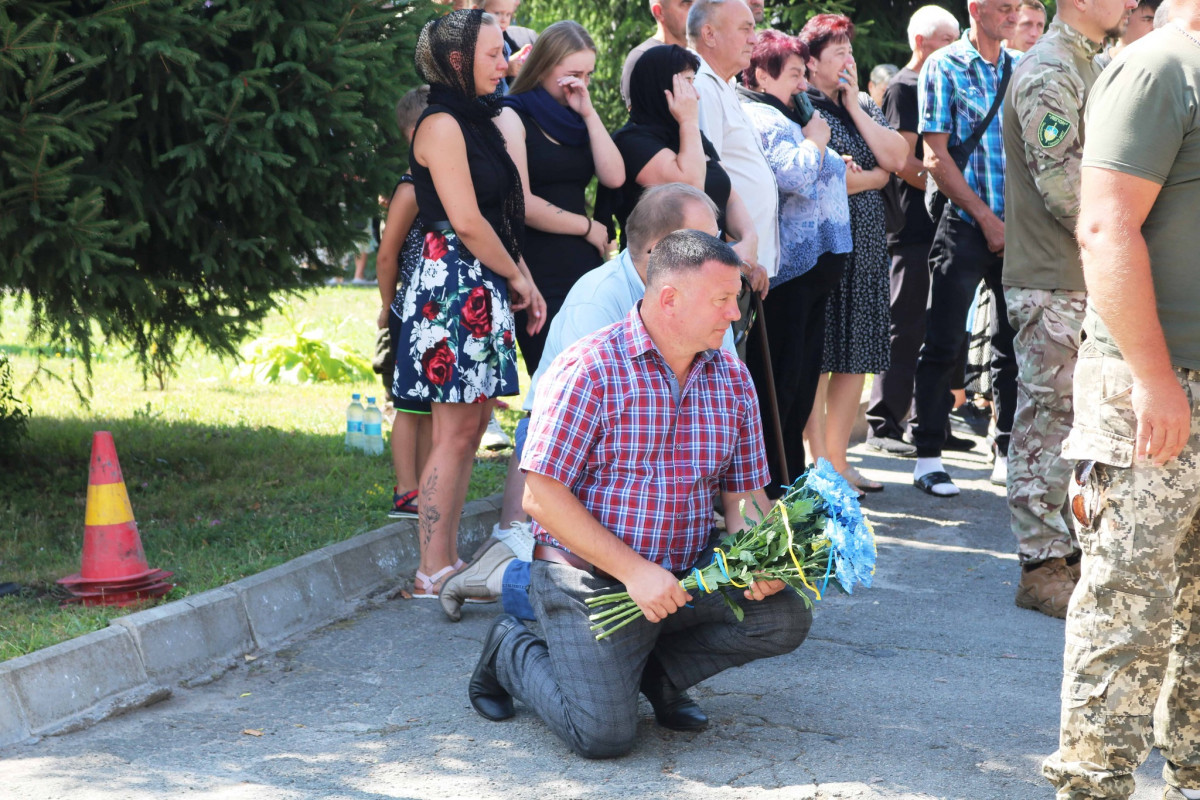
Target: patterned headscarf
(452,90)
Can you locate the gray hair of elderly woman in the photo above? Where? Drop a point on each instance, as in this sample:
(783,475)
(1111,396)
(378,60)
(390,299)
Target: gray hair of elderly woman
(686,251)
(699,15)
(661,210)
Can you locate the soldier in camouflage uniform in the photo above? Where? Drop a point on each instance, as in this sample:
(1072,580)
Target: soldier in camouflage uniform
(1043,287)
(1133,625)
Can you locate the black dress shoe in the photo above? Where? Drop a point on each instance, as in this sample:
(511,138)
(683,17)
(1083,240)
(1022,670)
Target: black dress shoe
(673,708)
(958,443)
(487,696)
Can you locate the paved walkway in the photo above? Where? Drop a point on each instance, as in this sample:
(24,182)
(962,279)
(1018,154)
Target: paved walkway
(932,684)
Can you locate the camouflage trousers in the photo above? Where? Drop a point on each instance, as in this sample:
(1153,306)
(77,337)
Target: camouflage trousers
(1133,626)
(1047,327)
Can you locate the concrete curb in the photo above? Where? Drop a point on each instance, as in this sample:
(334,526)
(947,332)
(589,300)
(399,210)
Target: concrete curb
(137,659)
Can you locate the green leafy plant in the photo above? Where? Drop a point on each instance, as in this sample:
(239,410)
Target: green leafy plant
(14,412)
(302,355)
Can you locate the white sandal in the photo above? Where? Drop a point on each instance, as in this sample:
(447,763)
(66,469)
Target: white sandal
(426,586)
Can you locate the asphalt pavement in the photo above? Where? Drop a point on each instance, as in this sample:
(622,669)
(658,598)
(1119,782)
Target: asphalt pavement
(930,684)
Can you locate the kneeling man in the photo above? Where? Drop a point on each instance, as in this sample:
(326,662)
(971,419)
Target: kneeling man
(633,430)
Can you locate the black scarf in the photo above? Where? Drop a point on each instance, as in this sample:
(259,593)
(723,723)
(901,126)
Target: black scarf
(832,108)
(452,90)
(649,113)
(749,95)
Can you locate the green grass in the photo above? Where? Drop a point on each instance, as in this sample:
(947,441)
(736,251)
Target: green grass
(226,477)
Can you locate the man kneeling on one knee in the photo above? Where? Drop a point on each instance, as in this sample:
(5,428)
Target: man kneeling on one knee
(633,429)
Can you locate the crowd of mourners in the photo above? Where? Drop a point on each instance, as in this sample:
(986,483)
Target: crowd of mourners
(764,235)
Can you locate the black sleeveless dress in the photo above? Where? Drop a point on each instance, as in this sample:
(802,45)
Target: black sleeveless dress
(457,326)
(558,174)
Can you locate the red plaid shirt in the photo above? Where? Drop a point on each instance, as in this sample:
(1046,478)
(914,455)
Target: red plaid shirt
(605,424)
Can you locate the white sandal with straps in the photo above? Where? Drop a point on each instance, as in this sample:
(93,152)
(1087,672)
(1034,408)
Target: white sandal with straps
(426,586)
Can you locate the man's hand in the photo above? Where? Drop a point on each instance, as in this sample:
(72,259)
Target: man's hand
(1164,418)
(761,590)
(656,591)
(993,230)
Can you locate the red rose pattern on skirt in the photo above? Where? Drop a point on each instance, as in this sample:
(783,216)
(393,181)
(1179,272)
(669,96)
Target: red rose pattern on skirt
(457,328)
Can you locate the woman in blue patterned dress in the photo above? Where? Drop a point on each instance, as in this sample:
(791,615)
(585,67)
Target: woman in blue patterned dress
(814,237)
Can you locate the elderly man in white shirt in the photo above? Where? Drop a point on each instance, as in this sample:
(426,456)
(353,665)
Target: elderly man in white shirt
(722,34)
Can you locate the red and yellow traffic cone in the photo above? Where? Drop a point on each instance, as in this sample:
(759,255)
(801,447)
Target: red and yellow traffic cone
(114,569)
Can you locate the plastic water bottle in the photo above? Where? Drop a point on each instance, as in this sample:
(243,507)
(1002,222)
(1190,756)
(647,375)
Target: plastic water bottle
(372,429)
(354,424)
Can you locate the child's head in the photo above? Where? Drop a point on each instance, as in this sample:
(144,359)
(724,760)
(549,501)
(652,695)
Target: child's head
(502,10)
(409,109)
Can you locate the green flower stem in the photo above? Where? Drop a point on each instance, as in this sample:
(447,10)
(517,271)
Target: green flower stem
(615,597)
(615,611)
(623,619)
(611,631)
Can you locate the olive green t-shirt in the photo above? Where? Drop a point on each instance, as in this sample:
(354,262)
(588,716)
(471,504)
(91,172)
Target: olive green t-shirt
(1143,119)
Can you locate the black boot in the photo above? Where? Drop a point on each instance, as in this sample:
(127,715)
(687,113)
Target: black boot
(487,696)
(673,708)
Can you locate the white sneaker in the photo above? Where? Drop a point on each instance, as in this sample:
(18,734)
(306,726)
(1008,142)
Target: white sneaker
(494,438)
(518,537)
(1000,470)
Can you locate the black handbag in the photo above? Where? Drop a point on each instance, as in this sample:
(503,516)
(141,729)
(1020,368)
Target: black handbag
(935,199)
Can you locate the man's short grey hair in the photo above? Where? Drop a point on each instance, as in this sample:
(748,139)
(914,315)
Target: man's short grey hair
(686,251)
(883,73)
(925,22)
(660,210)
(699,15)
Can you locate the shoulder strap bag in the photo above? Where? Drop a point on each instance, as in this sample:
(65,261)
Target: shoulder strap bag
(935,200)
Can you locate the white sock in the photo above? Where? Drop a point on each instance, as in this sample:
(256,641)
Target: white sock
(934,464)
(1191,794)
(927,465)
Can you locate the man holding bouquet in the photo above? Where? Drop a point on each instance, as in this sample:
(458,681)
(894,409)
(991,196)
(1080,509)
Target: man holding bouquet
(633,430)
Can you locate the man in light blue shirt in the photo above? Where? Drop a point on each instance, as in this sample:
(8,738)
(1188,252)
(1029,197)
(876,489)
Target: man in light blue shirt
(599,298)
(605,295)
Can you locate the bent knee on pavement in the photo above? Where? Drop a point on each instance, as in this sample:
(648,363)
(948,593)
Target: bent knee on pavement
(603,741)
(794,623)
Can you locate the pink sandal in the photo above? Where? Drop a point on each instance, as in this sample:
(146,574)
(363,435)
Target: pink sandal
(427,586)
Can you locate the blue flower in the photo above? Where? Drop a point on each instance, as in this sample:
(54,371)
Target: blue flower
(849,535)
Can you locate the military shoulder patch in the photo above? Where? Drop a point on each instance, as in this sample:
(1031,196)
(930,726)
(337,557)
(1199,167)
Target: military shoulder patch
(1052,130)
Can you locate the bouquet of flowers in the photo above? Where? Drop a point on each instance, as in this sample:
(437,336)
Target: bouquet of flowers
(813,534)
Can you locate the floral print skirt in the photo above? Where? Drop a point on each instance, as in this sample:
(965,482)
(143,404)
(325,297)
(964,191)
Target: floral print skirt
(457,328)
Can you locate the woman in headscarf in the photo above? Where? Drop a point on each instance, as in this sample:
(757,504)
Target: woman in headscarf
(662,143)
(858,314)
(814,235)
(558,143)
(457,315)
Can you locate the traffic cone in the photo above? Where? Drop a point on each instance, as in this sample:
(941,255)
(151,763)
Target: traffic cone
(113,569)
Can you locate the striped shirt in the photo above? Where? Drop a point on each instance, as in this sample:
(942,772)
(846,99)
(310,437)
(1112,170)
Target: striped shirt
(643,454)
(955,91)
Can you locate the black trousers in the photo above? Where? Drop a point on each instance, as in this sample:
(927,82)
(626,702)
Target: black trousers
(795,322)
(958,260)
(892,391)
